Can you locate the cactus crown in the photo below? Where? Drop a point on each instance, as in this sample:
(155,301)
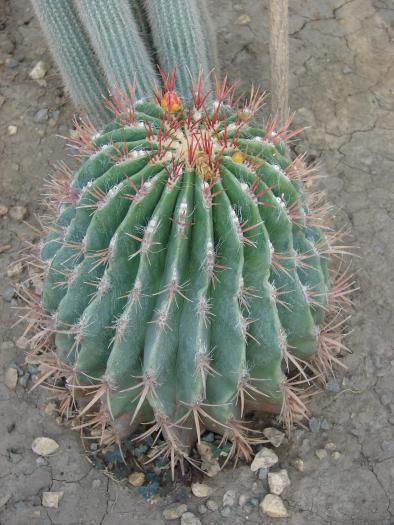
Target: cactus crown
(186,275)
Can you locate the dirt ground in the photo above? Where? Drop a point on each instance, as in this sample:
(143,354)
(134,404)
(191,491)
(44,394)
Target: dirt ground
(342,86)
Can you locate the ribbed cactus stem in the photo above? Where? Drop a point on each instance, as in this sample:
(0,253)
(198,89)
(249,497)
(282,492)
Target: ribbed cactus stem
(71,49)
(186,276)
(119,46)
(180,39)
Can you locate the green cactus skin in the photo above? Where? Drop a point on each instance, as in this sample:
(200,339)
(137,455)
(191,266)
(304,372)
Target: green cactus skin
(186,277)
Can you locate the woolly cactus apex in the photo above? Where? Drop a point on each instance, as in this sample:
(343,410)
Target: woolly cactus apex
(187,281)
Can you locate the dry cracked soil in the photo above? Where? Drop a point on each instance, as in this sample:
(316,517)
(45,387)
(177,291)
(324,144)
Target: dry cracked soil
(342,87)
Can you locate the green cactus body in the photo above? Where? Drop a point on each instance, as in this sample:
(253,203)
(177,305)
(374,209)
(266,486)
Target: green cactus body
(185,279)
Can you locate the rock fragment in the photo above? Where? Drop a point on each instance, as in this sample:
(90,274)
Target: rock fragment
(229,498)
(11,378)
(12,130)
(136,479)
(273,506)
(51,499)
(278,481)
(174,513)
(15,270)
(189,519)
(212,505)
(39,70)
(265,458)
(274,436)
(18,213)
(201,490)
(44,446)
(210,464)
(321,453)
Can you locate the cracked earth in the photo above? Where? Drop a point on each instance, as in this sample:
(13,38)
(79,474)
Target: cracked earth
(342,87)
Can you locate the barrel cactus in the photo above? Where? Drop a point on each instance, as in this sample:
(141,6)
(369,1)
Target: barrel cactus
(187,282)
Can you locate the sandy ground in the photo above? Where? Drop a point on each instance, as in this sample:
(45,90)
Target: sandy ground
(342,86)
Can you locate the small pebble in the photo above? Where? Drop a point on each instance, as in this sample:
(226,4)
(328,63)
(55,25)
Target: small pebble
(336,455)
(201,490)
(212,505)
(11,378)
(3,210)
(51,499)
(274,436)
(202,509)
(314,424)
(174,513)
(44,446)
(325,425)
(39,70)
(243,20)
(265,458)
(11,63)
(299,464)
(41,116)
(210,464)
(226,512)
(263,473)
(209,437)
(8,294)
(321,453)
(243,499)
(273,506)
(18,213)
(278,481)
(24,380)
(136,479)
(330,446)
(15,270)
(12,130)
(96,483)
(189,519)
(229,498)
(332,386)
(41,461)
(4,498)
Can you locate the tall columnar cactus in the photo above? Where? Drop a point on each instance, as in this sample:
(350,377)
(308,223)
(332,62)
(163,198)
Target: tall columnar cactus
(72,51)
(116,39)
(186,277)
(99,45)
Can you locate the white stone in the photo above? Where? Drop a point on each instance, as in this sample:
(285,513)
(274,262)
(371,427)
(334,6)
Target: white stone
(11,378)
(136,479)
(278,481)
(210,464)
(15,270)
(18,213)
(44,446)
(321,453)
(229,498)
(265,458)
(174,513)
(274,436)
(51,499)
(299,464)
(200,490)
(189,519)
(273,506)
(12,130)
(39,71)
